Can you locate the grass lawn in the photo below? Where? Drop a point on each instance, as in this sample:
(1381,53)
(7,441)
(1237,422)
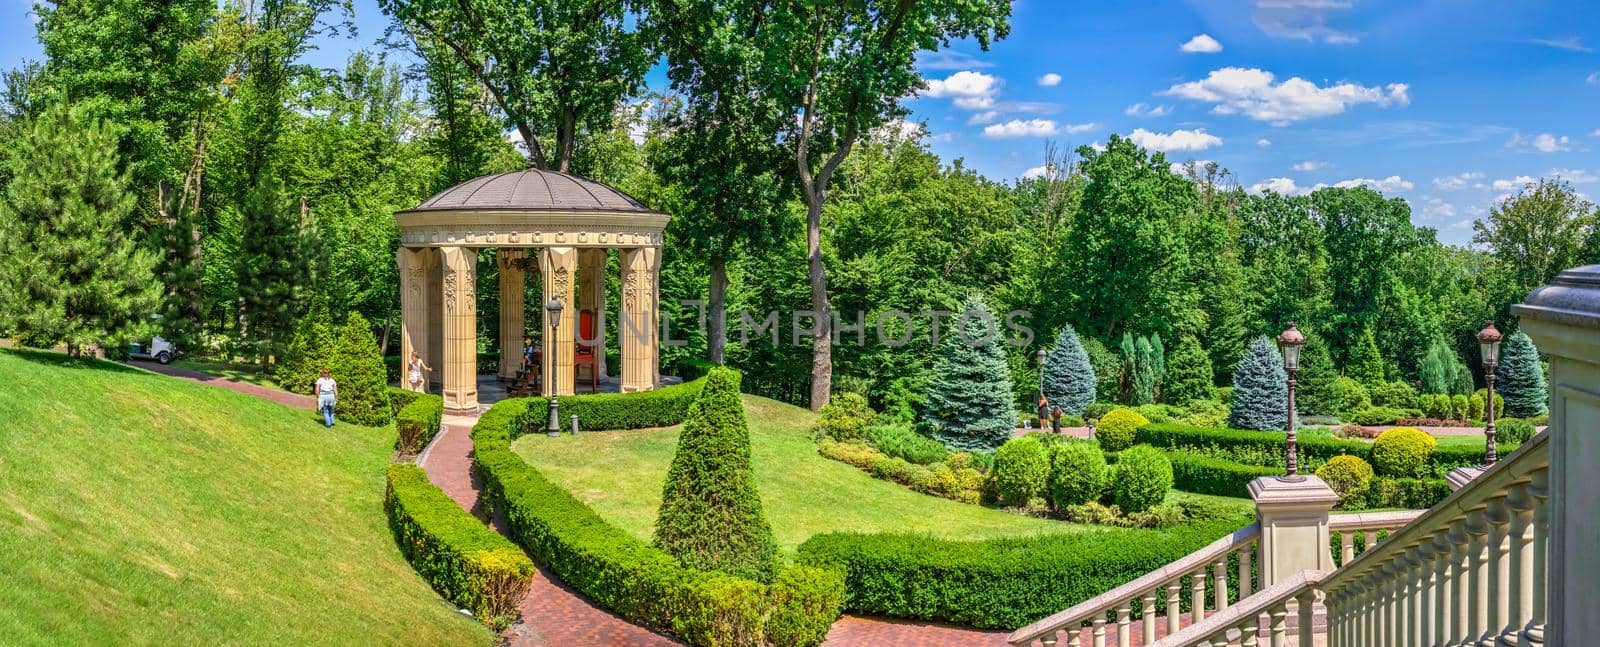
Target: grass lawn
(137,508)
(620,474)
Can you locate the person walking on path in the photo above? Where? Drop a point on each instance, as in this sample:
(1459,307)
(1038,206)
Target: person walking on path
(415,373)
(327,392)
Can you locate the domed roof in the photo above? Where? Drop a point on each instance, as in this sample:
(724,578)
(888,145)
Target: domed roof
(533,190)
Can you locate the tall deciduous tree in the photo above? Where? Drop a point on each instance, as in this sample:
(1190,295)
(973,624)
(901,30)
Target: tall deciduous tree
(1533,235)
(69,272)
(1068,378)
(1260,397)
(1440,370)
(844,69)
(1363,233)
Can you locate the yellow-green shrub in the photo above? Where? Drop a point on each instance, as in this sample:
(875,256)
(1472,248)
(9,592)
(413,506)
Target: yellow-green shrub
(1402,451)
(1349,476)
(1117,428)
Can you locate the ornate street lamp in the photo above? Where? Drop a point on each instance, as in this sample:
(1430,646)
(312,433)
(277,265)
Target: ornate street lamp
(1290,341)
(553,310)
(1489,345)
(1038,400)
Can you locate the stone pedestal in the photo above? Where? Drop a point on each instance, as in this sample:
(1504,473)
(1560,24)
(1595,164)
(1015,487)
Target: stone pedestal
(639,321)
(592,297)
(513,290)
(558,267)
(460,365)
(1294,526)
(1563,318)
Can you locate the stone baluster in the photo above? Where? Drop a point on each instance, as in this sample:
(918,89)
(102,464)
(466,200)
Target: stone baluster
(1172,606)
(1422,574)
(1197,596)
(1497,571)
(1048,641)
(1539,490)
(1124,637)
(1248,633)
(1075,637)
(1443,589)
(1460,582)
(1477,576)
(1100,631)
(1391,604)
(1147,616)
(1219,583)
(1280,625)
(1347,546)
(1244,570)
(1306,602)
(1519,559)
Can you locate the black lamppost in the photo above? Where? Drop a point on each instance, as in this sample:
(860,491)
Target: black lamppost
(1038,400)
(1290,341)
(1489,345)
(553,310)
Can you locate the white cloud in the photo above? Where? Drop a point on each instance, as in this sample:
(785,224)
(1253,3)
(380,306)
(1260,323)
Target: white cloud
(1050,79)
(1595,133)
(1571,44)
(1575,175)
(1073,129)
(949,59)
(1279,185)
(899,129)
(970,90)
(1182,168)
(1021,128)
(1308,165)
(1391,184)
(1142,110)
(984,117)
(1098,146)
(1264,143)
(1593,78)
(1043,170)
(1512,184)
(1202,44)
(1302,20)
(1542,142)
(1458,181)
(1175,141)
(1434,208)
(1254,93)
(943,137)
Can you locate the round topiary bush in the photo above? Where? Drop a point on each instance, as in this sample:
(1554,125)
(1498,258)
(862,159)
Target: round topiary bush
(1116,429)
(1077,474)
(1402,451)
(1393,394)
(1513,430)
(1142,478)
(1349,476)
(845,417)
(1021,470)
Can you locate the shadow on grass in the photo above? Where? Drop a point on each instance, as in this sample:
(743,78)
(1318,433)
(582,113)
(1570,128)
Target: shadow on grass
(53,358)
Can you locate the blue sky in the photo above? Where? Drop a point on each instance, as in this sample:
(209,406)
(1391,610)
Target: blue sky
(1449,105)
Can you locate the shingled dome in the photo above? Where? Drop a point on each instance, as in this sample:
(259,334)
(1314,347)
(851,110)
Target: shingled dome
(532,189)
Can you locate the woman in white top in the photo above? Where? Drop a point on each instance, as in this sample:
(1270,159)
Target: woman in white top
(327,392)
(415,371)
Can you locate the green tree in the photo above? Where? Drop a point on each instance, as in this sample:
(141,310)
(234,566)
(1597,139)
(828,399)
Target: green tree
(1260,389)
(270,271)
(968,403)
(1533,235)
(68,271)
(1068,378)
(1317,390)
(711,516)
(1440,368)
(310,351)
(1365,364)
(1108,370)
(1189,375)
(1520,378)
(363,382)
(1363,234)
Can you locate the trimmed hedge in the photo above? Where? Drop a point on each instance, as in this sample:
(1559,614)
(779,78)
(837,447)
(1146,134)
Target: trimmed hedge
(663,407)
(998,583)
(417,422)
(1206,475)
(1312,449)
(465,561)
(623,573)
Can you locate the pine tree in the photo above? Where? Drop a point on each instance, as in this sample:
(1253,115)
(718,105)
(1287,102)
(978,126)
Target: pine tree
(1366,364)
(69,273)
(310,351)
(179,271)
(270,270)
(358,367)
(1068,377)
(1188,378)
(1317,386)
(968,400)
(1520,378)
(711,516)
(1439,368)
(1260,389)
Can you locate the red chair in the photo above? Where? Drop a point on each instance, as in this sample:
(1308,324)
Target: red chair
(587,355)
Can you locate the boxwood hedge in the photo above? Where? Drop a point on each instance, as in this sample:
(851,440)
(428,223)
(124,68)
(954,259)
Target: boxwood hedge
(416,419)
(1321,448)
(661,407)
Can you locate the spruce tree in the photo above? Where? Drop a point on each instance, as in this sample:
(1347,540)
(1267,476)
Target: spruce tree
(358,368)
(309,351)
(1366,364)
(711,516)
(270,270)
(1520,378)
(1260,389)
(69,273)
(968,401)
(1188,377)
(1068,377)
(1317,390)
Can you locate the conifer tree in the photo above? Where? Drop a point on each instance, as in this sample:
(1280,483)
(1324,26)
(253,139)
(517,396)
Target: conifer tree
(1107,369)
(270,270)
(358,367)
(1439,368)
(1366,364)
(1260,389)
(69,273)
(711,515)
(1520,378)
(1188,378)
(179,271)
(968,401)
(1317,386)
(1068,377)
(311,349)
(1144,364)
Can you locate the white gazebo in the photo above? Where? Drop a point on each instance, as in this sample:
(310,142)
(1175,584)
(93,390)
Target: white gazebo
(569,224)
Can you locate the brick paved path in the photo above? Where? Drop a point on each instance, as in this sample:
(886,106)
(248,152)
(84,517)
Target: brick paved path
(276,395)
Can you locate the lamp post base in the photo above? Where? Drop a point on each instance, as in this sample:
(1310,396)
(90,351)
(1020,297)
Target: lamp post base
(555,417)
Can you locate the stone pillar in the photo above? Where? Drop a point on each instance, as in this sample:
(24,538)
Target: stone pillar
(460,297)
(558,267)
(1563,318)
(434,269)
(639,322)
(412,263)
(513,308)
(592,296)
(1294,526)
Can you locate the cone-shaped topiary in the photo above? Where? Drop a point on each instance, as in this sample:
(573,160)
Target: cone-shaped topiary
(1366,364)
(1188,375)
(1068,377)
(309,352)
(968,402)
(711,516)
(1521,379)
(1260,389)
(358,368)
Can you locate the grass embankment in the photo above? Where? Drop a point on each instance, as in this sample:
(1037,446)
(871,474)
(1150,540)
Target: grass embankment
(137,508)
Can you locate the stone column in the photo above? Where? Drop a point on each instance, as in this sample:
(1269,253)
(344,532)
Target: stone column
(460,299)
(592,296)
(1294,526)
(1563,318)
(434,269)
(412,263)
(558,267)
(639,322)
(513,308)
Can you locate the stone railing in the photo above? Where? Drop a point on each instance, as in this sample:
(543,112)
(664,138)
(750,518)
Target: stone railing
(1264,614)
(1165,583)
(1366,526)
